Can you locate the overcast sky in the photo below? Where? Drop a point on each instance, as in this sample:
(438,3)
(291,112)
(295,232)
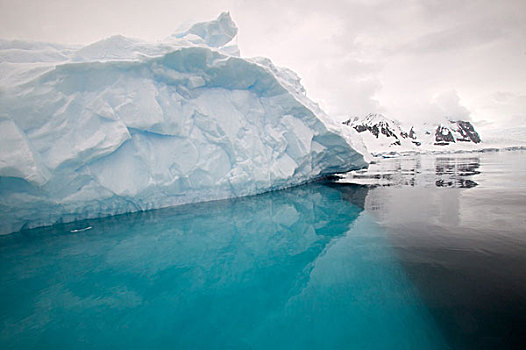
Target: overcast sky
(411,60)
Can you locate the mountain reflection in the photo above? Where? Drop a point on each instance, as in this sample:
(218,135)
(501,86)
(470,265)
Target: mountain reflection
(455,171)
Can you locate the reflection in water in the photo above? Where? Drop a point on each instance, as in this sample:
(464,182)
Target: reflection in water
(465,250)
(355,194)
(454,170)
(419,170)
(300,268)
(461,183)
(461,166)
(321,267)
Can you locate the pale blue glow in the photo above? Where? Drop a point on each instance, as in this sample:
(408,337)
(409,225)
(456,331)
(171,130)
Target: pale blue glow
(300,268)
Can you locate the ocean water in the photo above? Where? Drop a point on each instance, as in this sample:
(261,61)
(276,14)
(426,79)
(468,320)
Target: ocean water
(458,226)
(422,252)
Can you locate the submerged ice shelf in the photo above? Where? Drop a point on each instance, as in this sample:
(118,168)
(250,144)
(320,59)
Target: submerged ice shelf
(123,125)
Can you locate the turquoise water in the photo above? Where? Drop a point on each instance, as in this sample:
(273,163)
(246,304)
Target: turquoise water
(305,268)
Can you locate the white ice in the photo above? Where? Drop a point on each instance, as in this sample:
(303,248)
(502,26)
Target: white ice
(124,125)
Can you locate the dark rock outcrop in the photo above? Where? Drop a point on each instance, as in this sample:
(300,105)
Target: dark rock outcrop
(392,133)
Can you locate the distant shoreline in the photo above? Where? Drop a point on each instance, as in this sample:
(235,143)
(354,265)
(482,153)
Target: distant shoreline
(391,154)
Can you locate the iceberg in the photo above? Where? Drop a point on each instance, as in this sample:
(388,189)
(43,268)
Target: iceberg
(124,125)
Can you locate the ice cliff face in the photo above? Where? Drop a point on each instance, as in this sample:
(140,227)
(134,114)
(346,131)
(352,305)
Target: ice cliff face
(124,125)
(381,134)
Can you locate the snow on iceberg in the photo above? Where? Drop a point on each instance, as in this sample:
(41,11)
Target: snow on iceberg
(123,125)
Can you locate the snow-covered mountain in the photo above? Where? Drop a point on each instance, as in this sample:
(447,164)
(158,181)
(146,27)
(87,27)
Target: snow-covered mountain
(124,125)
(450,132)
(382,135)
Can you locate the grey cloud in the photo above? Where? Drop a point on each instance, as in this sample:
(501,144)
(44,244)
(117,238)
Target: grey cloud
(457,38)
(448,103)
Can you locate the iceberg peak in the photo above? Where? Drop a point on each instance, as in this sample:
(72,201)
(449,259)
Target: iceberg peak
(215,33)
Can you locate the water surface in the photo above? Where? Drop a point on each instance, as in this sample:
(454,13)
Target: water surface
(458,226)
(304,268)
(420,252)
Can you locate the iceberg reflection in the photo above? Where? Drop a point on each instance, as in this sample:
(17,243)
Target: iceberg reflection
(299,268)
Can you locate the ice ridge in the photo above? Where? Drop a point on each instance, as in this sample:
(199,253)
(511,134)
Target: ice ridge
(124,125)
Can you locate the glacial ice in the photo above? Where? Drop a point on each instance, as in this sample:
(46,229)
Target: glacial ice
(124,125)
